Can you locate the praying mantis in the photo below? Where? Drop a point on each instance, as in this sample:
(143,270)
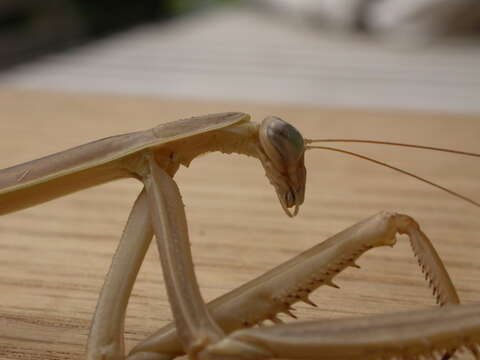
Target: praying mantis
(153,157)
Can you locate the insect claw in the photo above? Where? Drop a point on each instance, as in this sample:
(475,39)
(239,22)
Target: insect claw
(448,355)
(354,264)
(289,313)
(474,350)
(275,319)
(332,284)
(306,300)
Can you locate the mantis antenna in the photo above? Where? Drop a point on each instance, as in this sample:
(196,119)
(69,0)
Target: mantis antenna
(309,141)
(431,183)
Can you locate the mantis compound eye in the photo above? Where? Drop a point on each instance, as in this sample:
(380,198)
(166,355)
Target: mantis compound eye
(283,143)
(284,147)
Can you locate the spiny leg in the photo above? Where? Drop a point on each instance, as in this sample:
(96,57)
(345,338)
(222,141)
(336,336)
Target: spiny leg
(106,334)
(276,290)
(386,339)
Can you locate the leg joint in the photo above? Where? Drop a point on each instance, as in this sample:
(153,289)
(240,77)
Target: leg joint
(405,224)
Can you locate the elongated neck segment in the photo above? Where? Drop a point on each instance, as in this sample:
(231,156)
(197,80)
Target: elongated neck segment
(241,138)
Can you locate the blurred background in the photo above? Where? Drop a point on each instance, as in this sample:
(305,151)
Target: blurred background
(401,54)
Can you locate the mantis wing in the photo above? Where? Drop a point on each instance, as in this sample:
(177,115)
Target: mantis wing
(96,162)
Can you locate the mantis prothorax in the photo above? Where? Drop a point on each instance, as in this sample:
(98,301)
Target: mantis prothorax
(214,330)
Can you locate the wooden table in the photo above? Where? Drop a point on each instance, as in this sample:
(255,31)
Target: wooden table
(53,257)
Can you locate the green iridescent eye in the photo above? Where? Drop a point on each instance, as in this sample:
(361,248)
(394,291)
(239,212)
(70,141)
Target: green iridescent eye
(286,139)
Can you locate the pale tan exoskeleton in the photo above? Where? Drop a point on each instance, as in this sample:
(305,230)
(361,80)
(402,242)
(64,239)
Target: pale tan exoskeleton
(214,330)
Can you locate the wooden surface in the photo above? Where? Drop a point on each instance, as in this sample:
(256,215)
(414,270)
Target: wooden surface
(53,257)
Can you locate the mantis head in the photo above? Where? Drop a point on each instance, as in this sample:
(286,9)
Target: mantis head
(283,160)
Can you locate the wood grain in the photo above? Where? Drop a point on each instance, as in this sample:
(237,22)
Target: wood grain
(53,257)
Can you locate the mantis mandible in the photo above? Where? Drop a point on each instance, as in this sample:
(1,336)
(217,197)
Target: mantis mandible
(223,328)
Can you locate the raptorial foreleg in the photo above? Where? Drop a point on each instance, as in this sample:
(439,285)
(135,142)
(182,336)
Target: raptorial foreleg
(278,289)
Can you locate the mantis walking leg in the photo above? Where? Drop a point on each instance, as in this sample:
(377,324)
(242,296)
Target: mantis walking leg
(196,327)
(106,334)
(278,289)
(417,334)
